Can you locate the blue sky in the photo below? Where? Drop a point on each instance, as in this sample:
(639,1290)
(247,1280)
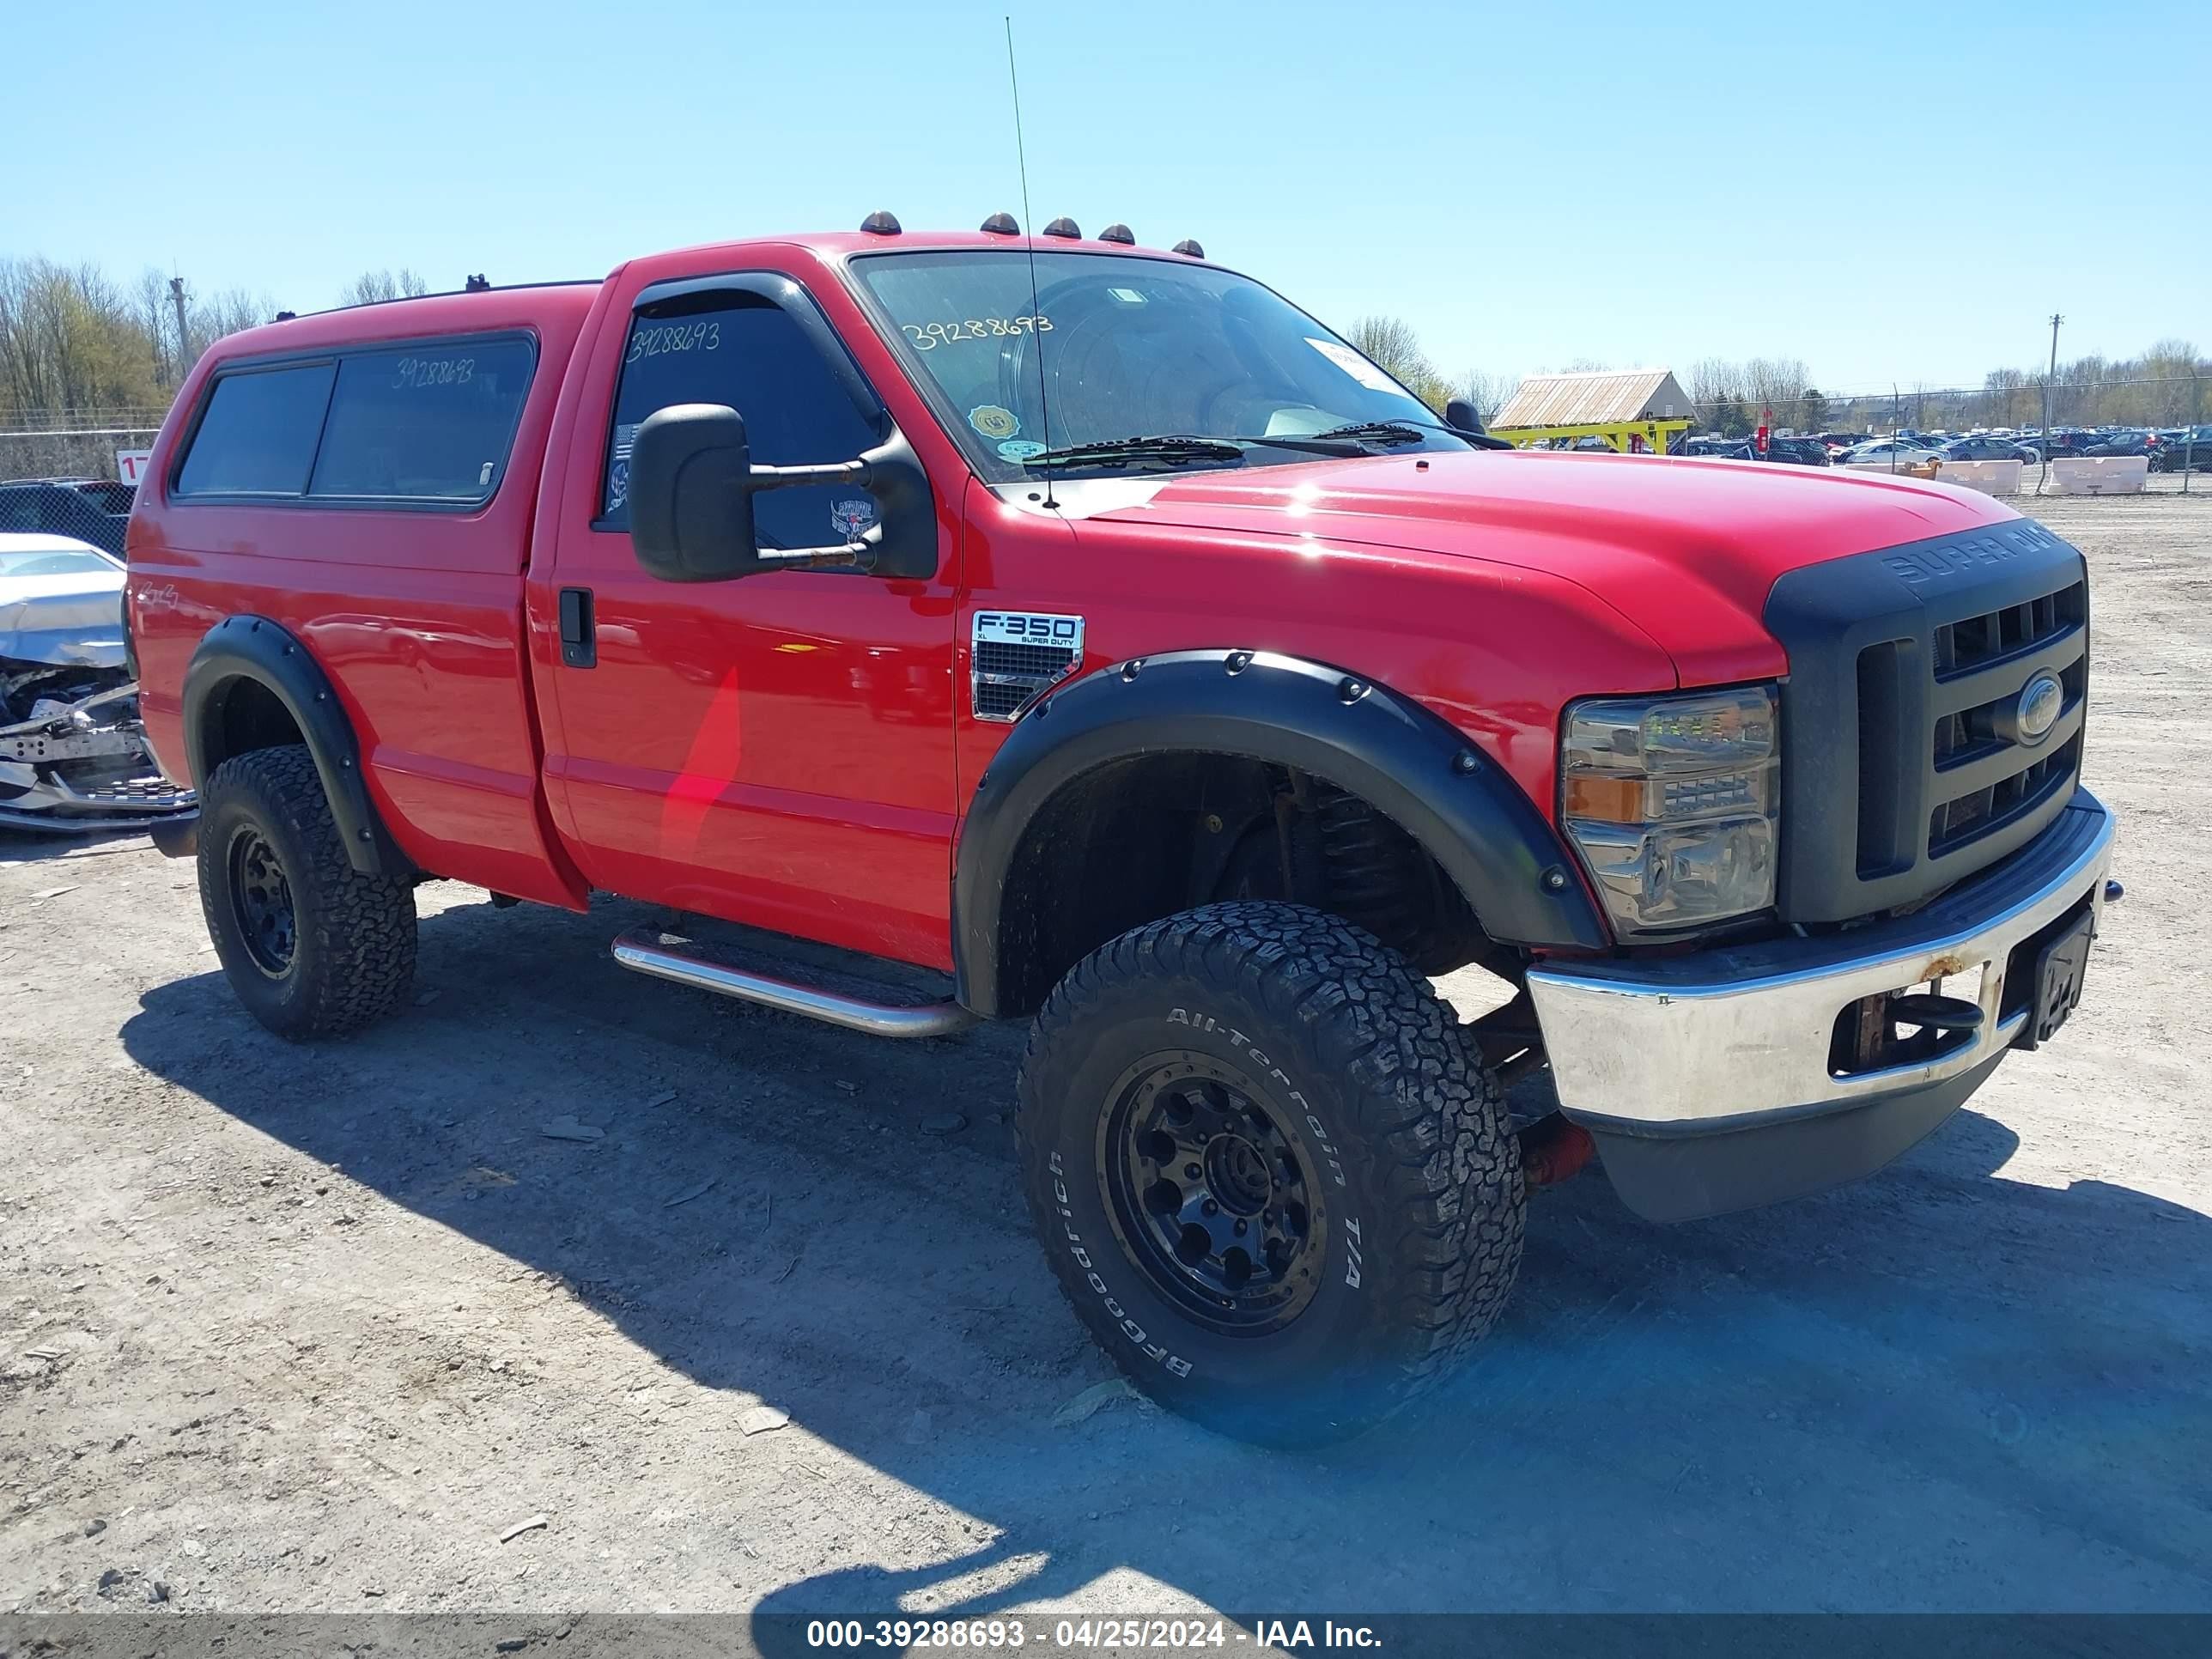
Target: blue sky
(1528,185)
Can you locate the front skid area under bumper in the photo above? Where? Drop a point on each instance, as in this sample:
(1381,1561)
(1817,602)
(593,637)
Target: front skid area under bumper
(1708,1079)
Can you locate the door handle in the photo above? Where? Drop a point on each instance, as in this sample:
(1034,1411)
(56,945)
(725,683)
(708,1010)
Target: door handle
(579,643)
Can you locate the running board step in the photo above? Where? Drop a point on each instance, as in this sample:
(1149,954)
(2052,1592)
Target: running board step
(649,951)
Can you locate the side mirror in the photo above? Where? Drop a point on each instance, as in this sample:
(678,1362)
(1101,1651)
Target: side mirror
(1460,416)
(690,494)
(691,486)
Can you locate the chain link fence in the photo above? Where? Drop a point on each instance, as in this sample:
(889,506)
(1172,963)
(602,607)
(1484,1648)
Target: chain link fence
(76,443)
(74,472)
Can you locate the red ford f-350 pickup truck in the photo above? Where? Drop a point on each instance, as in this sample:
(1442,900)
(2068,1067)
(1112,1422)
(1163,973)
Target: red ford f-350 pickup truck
(1090,626)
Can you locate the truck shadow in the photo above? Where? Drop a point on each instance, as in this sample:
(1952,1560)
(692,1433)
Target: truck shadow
(1941,1388)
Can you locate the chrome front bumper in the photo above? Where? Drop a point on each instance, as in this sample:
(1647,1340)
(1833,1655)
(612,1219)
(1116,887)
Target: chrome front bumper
(1738,1039)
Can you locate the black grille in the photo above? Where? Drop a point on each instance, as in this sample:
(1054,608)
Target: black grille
(1977,642)
(1985,776)
(1903,767)
(999,702)
(1008,675)
(1967,818)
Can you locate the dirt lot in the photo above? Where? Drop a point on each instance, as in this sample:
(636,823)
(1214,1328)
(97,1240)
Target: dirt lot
(288,1328)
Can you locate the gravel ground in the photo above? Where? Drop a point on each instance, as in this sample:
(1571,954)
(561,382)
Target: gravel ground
(311,1330)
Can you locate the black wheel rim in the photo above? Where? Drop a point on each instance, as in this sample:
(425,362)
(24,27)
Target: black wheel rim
(261,901)
(1211,1195)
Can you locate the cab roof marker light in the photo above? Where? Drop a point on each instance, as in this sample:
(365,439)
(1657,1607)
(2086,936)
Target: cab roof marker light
(880,223)
(1189,249)
(1066,228)
(1121,233)
(1000,224)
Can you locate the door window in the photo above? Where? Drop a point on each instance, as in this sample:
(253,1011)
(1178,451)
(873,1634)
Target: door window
(747,352)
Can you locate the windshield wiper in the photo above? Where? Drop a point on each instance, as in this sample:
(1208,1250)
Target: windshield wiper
(1313,443)
(1376,432)
(1166,449)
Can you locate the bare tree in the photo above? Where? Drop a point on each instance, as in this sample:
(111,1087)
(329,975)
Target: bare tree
(1775,383)
(1716,380)
(69,341)
(157,318)
(2002,389)
(2174,364)
(374,287)
(1487,392)
(1390,342)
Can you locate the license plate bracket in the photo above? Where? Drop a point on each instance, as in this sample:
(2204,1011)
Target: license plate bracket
(2060,961)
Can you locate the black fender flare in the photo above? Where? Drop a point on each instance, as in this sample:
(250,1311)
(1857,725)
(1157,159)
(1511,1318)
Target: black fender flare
(248,647)
(1408,764)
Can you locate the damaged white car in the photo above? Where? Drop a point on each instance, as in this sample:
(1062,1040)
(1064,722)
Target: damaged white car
(73,756)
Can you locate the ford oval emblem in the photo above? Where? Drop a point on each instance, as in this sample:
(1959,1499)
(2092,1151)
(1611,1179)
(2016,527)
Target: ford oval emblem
(2037,712)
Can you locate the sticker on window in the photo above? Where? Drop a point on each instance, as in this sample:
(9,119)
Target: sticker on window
(852,517)
(993,422)
(1353,364)
(618,466)
(1020,449)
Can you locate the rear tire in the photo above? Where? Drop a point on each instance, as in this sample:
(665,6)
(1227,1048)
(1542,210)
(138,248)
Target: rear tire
(311,946)
(1271,1172)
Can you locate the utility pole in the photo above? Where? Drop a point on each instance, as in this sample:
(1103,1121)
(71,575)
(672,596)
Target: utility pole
(177,299)
(2196,414)
(2043,471)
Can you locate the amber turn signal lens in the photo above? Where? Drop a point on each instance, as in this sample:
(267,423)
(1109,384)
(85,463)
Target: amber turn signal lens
(1609,800)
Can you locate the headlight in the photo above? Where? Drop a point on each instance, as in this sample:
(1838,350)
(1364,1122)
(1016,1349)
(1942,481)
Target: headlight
(1673,803)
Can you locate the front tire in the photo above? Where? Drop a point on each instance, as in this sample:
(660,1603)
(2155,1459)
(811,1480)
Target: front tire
(1271,1175)
(311,946)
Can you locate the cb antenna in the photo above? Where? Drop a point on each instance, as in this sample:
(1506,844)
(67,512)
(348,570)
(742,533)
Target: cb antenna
(1022,160)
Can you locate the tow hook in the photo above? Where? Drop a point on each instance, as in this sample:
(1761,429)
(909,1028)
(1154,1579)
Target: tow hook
(1553,1148)
(1933,1013)
(2114,891)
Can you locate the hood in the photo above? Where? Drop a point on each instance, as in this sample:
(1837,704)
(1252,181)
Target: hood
(74,620)
(1687,549)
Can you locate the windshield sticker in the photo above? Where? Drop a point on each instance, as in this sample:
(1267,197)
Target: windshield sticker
(993,422)
(1020,449)
(1353,364)
(927,336)
(851,518)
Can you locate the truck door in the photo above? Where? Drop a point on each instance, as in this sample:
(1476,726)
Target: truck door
(778,750)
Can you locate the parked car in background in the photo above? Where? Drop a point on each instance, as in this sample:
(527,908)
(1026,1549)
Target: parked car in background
(1988,449)
(73,756)
(2184,447)
(2060,442)
(2123,443)
(1712,447)
(94,510)
(1798,451)
(1899,452)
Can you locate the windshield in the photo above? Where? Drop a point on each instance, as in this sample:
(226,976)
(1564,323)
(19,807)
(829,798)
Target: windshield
(55,562)
(1131,347)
